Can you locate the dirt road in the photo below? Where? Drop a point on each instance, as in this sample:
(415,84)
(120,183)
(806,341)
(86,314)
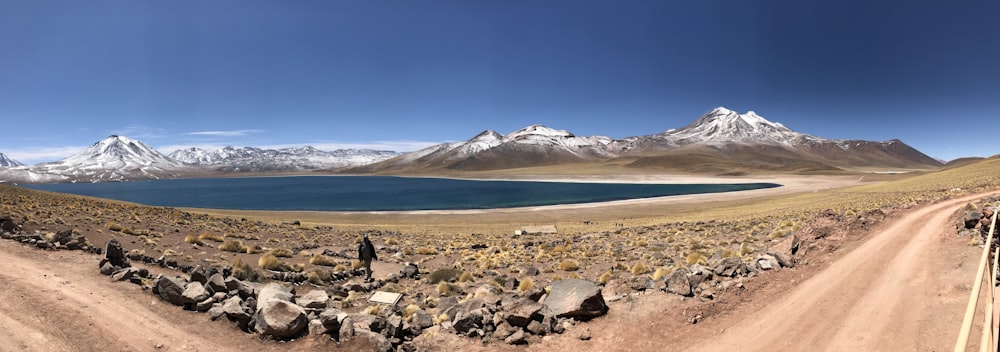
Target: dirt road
(57,301)
(904,289)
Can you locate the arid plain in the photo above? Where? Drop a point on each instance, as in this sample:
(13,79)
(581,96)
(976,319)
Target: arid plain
(626,247)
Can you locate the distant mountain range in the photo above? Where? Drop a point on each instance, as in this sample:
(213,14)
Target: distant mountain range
(721,142)
(119,158)
(250,159)
(6,161)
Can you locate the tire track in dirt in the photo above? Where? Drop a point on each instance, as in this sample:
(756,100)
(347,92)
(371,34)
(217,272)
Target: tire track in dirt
(885,295)
(57,301)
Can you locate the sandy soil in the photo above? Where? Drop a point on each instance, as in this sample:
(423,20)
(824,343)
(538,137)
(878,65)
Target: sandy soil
(903,288)
(58,301)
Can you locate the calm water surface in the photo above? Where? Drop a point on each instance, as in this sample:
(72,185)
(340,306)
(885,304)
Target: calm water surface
(373,193)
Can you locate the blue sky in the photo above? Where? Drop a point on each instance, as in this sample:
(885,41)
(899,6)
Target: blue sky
(405,74)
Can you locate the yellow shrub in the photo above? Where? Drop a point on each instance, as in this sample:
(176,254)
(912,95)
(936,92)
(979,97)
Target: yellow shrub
(233,246)
(569,265)
(639,268)
(192,239)
(605,277)
(526,284)
(319,259)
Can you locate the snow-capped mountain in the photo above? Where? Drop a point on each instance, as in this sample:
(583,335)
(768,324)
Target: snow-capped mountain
(115,158)
(722,136)
(6,161)
(725,126)
(532,145)
(250,159)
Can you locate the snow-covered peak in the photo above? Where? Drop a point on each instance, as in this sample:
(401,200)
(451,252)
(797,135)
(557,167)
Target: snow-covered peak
(537,130)
(722,125)
(119,151)
(232,158)
(8,162)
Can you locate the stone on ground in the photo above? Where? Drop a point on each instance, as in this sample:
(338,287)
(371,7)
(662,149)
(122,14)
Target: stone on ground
(281,319)
(575,298)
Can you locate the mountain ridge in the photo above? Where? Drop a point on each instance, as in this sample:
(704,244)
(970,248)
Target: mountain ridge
(6,161)
(732,141)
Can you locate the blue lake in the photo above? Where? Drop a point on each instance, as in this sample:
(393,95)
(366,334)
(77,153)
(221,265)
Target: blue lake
(373,193)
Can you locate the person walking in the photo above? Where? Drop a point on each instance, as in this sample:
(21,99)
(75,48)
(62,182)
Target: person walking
(366,253)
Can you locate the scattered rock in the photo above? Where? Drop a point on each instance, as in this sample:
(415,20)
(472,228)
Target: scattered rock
(410,271)
(379,343)
(280,318)
(123,274)
(727,267)
(421,320)
(516,338)
(346,329)
(271,291)
(785,250)
(584,334)
(766,262)
(575,298)
(315,299)
(394,326)
(170,290)
(467,320)
(194,293)
(216,312)
(216,283)
(522,312)
(115,254)
(63,237)
(235,312)
(107,268)
(678,283)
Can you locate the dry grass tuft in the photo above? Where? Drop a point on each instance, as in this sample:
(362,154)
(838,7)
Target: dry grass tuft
(569,265)
(270,262)
(233,246)
(444,275)
(319,259)
(193,239)
(244,271)
(526,284)
(639,269)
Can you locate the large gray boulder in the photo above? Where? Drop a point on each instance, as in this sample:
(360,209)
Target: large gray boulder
(271,291)
(523,311)
(331,318)
(217,283)
(575,298)
(170,290)
(784,251)
(467,320)
(378,342)
(727,267)
(115,254)
(678,283)
(421,320)
(235,312)
(63,236)
(281,319)
(315,299)
(194,292)
(8,225)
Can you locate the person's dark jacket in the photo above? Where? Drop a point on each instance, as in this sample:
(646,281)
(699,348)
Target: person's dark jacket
(366,250)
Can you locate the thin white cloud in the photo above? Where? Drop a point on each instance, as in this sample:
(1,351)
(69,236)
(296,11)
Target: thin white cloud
(40,155)
(234,133)
(398,146)
(139,132)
